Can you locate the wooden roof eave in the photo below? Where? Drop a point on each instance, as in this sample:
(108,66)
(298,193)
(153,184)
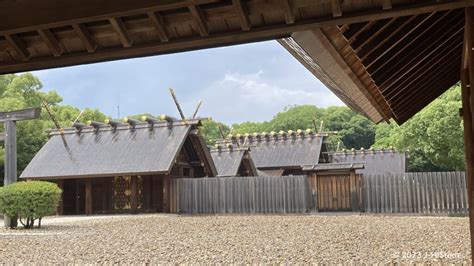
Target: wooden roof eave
(346,75)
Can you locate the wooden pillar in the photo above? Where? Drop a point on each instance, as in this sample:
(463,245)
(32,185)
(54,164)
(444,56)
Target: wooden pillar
(60,209)
(167,198)
(353,190)
(133,194)
(467,89)
(88,200)
(10,163)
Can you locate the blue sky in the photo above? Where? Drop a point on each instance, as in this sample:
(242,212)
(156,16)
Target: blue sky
(248,82)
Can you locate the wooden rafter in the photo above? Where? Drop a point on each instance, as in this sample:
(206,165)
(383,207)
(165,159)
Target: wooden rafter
(386,39)
(417,59)
(219,17)
(199,19)
(367,26)
(336,8)
(157,21)
(119,27)
(242,11)
(412,41)
(85,37)
(286,7)
(428,67)
(19,46)
(51,41)
(375,34)
(386,4)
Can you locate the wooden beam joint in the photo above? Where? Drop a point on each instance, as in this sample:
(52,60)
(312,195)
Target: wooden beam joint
(85,37)
(199,20)
(242,11)
(157,21)
(19,46)
(119,27)
(51,41)
(286,7)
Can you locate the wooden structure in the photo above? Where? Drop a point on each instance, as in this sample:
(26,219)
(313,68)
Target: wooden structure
(385,59)
(10,119)
(283,153)
(46,34)
(230,161)
(121,167)
(335,186)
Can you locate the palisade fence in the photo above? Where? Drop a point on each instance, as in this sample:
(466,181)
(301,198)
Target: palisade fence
(421,193)
(416,192)
(285,194)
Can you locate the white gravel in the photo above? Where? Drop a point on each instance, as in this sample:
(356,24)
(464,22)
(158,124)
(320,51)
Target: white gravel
(160,238)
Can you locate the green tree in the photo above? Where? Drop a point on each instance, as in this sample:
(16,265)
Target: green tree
(210,131)
(434,136)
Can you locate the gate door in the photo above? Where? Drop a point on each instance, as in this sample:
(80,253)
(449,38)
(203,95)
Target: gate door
(334,193)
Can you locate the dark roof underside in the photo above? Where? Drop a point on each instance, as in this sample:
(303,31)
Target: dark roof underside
(386,68)
(109,152)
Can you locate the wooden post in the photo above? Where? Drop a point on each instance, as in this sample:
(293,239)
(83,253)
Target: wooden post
(133,194)
(88,200)
(166,199)
(10,163)
(60,209)
(467,76)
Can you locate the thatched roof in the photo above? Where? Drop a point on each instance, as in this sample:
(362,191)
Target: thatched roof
(288,150)
(123,150)
(228,161)
(375,161)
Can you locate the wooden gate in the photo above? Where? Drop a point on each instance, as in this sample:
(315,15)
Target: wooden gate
(340,192)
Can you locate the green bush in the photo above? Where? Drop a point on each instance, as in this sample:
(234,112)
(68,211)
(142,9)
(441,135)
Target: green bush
(29,201)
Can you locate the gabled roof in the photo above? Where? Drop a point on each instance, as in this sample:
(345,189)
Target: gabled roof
(334,166)
(375,161)
(283,150)
(125,150)
(228,161)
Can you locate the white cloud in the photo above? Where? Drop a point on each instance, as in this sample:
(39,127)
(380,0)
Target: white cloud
(251,97)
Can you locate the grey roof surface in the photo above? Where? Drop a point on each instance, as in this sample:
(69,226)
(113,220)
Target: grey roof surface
(285,151)
(275,172)
(333,166)
(227,162)
(107,152)
(375,161)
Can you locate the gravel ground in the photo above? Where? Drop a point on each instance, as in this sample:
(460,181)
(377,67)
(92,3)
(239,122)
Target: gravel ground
(160,238)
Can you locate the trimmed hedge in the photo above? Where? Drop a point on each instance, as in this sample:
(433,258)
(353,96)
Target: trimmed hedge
(29,201)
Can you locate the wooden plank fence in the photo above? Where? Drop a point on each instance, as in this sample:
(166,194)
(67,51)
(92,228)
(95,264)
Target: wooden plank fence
(417,192)
(287,194)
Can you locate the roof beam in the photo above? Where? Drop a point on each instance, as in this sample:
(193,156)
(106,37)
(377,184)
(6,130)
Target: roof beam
(19,46)
(85,37)
(241,9)
(51,41)
(399,28)
(425,69)
(367,26)
(199,19)
(416,59)
(119,27)
(286,7)
(385,62)
(386,4)
(375,34)
(157,21)
(336,8)
(268,32)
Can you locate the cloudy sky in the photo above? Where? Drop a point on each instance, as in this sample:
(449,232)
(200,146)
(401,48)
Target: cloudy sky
(248,82)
